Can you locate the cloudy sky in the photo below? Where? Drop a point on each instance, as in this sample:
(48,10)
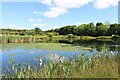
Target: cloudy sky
(48,14)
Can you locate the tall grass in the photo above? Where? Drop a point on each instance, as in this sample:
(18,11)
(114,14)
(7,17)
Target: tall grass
(15,38)
(77,66)
(42,38)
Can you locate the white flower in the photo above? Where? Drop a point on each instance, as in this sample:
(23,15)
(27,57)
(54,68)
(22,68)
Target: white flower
(61,61)
(40,62)
(111,53)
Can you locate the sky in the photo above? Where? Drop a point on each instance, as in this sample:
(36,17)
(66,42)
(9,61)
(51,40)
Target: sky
(51,14)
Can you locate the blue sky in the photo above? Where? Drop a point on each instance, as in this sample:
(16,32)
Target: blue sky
(48,14)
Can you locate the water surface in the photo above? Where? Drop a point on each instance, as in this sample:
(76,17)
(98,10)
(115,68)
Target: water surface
(32,52)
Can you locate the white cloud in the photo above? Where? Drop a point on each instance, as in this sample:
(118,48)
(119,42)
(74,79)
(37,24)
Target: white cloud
(31,20)
(71,3)
(54,12)
(35,12)
(101,4)
(12,25)
(59,10)
(51,14)
(48,2)
(40,25)
(59,7)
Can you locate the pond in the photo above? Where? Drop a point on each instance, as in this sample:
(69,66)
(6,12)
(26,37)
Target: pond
(30,53)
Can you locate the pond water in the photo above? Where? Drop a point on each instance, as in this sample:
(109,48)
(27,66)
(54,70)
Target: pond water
(32,52)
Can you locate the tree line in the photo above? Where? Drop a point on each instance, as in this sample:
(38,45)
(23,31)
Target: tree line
(90,29)
(99,29)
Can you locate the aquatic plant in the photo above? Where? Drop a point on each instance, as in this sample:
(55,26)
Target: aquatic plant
(76,66)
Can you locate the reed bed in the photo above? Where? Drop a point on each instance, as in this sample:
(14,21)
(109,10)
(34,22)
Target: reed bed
(77,66)
(15,38)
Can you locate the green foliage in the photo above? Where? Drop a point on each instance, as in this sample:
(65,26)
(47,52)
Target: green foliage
(67,30)
(17,32)
(50,30)
(90,29)
(81,29)
(114,29)
(50,35)
(101,30)
(38,31)
(99,23)
(72,36)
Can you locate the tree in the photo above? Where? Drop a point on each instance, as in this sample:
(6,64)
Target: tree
(101,30)
(90,29)
(80,30)
(86,30)
(98,24)
(118,29)
(56,30)
(68,30)
(114,29)
(38,31)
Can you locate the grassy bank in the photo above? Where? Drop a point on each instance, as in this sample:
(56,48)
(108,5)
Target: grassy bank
(27,38)
(85,37)
(60,37)
(77,66)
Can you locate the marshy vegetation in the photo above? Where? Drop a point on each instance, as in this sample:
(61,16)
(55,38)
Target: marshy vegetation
(77,66)
(16,39)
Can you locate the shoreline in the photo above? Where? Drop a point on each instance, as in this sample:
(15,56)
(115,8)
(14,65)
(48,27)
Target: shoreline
(27,38)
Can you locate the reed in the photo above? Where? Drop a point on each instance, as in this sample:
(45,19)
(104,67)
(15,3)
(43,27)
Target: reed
(15,38)
(77,66)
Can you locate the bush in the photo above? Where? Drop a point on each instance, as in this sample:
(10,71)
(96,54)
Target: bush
(50,35)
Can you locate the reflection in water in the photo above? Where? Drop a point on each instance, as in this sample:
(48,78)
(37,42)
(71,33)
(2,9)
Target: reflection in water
(27,52)
(55,57)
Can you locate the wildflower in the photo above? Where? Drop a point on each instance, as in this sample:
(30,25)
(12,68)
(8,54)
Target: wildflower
(89,60)
(99,56)
(40,62)
(111,53)
(61,61)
